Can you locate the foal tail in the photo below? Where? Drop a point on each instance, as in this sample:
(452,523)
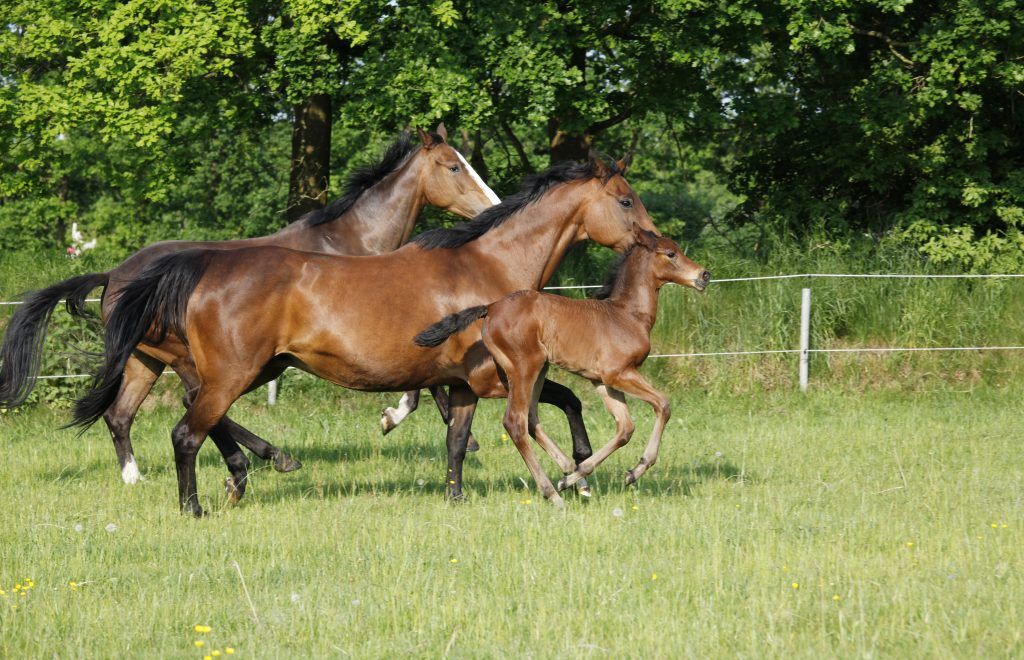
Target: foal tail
(22,350)
(438,333)
(155,301)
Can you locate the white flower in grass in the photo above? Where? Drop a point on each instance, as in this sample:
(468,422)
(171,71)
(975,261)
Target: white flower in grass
(295,598)
(617,512)
(78,528)
(111,528)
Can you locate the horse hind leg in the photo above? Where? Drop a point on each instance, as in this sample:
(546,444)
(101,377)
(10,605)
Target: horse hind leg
(391,417)
(208,405)
(235,459)
(140,374)
(636,385)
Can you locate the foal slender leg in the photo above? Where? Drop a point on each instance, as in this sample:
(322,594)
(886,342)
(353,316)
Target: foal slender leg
(616,405)
(234,457)
(561,396)
(631,382)
(463,405)
(140,373)
(441,401)
(565,463)
(517,423)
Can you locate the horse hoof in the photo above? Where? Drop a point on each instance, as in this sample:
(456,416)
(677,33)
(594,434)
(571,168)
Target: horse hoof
(583,488)
(472,445)
(234,493)
(630,478)
(387,423)
(286,463)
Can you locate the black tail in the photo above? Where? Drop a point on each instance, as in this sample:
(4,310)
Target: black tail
(157,299)
(438,333)
(22,349)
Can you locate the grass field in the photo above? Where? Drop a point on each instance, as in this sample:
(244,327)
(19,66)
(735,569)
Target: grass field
(884,524)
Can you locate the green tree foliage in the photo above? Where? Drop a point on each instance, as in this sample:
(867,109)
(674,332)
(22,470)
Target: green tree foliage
(146,120)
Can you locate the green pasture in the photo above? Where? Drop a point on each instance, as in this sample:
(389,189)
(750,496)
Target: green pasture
(879,523)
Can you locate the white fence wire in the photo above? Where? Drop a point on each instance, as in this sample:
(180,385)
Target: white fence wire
(783,351)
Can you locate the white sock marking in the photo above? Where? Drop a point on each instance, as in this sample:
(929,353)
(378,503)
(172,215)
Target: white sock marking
(130,472)
(480,182)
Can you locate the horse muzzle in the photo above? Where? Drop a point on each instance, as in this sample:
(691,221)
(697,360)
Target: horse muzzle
(702,280)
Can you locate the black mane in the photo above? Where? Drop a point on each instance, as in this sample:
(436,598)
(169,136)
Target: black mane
(533,188)
(363,179)
(613,275)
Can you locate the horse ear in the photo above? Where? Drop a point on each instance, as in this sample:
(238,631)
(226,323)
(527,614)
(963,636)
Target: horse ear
(646,238)
(597,165)
(442,131)
(624,163)
(425,137)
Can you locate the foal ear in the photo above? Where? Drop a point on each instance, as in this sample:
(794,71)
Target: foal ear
(598,166)
(425,138)
(624,163)
(442,131)
(645,238)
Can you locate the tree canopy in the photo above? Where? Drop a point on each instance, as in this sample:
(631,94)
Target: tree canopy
(146,120)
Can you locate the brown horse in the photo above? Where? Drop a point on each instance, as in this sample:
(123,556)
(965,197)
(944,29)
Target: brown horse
(604,340)
(375,215)
(244,322)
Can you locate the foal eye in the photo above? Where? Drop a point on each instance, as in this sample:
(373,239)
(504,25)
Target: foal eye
(454,169)
(626,203)
(670,255)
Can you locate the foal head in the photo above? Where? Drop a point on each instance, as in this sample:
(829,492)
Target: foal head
(614,209)
(447,180)
(667,263)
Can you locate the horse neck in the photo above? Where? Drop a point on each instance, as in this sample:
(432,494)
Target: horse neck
(383,217)
(528,247)
(636,291)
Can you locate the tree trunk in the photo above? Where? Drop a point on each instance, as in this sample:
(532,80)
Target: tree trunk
(311,156)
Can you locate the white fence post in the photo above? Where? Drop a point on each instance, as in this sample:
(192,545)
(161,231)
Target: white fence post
(272,392)
(805,336)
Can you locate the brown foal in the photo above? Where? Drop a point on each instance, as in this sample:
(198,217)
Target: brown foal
(604,341)
(245,322)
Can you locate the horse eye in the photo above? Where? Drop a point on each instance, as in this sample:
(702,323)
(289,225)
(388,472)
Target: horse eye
(670,255)
(626,203)
(453,169)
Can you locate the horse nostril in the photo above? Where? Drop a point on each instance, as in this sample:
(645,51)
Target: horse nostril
(705,277)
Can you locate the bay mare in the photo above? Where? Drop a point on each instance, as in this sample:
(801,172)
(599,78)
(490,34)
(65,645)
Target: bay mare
(331,315)
(376,214)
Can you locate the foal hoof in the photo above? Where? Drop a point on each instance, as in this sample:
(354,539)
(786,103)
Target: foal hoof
(630,478)
(583,488)
(472,445)
(286,463)
(387,422)
(234,493)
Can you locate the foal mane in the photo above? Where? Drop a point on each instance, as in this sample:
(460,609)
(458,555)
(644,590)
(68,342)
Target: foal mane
(613,275)
(365,178)
(533,188)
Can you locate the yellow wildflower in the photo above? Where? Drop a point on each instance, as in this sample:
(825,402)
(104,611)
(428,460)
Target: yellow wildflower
(453,560)
(199,643)
(215,653)
(654,576)
(836,597)
(202,629)
(795,585)
(910,544)
(229,650)
(207,657)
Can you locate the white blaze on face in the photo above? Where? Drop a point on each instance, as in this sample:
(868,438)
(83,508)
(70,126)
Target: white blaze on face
(480,182)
